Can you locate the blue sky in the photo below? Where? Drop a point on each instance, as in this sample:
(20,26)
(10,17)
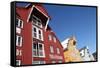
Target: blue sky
(73,20)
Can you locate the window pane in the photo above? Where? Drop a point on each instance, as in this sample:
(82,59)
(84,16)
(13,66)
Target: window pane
(54,39)
(51,49)
(18,62)
(19,39)
(34,46)
(42,62)
(35,32)
(34,29)
(16,22)
(58,51)
(49,37)
(40,46)
(40,52)
(53,61)
(59,61)
(35,62)
(39,32)
(20,23)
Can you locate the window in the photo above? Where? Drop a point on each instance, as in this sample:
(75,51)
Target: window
(18,40)
(53,61)
(38,50)
(58,51)
(18,62)
(38,62)
(51,49)
(54,39)
(40,34)
(18,52)
(37,33)
(49,37)
(59,61)
(19,23)
(37,21)
(82,53)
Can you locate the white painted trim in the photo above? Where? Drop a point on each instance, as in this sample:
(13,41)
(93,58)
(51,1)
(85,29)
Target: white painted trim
(36,50)
(27,5)
(37,33)
(30,13)
(17,41)
(19,62)
(46,24)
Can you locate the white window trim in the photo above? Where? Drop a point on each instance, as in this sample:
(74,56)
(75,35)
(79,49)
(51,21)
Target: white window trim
(51,49)
(37,22)
(58,51)
(54,39)
(18,30)
(19,62)
(36,50)
(82,52)
(19,20)
(38,62)
(37,29)
(60,61)
(18,52)
(53,61)
(17,41)
(50,37)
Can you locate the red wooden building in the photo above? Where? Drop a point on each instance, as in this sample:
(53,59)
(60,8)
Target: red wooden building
(36,43)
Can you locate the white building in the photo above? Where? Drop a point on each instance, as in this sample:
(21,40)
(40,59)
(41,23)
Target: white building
(85,54)
(64,43)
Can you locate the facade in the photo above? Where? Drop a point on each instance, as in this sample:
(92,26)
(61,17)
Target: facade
(71,53)
(85,54)
(36,43)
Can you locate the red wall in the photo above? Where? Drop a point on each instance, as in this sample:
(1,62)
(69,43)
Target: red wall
(26,33)
(26,57)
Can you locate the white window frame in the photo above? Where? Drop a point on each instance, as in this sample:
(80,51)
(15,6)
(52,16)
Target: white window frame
(37,21)
(53,61)
(37,50)
(19,62)
(50,37)
(40,34)
(19,44)
(54,39)
(51,49)
(20,21)
(38,62)
(37,32)
(82,53)
(60,61)
(58,51)
(18,52)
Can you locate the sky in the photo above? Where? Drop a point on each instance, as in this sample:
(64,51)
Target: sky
(73,20)
(67,21)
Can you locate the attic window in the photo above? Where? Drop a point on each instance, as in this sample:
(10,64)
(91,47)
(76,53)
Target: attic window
(36,21)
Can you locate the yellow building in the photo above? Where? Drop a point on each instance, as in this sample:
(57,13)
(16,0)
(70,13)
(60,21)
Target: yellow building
(71,53)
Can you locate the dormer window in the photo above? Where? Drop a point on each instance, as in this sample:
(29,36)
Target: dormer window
(36,21)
